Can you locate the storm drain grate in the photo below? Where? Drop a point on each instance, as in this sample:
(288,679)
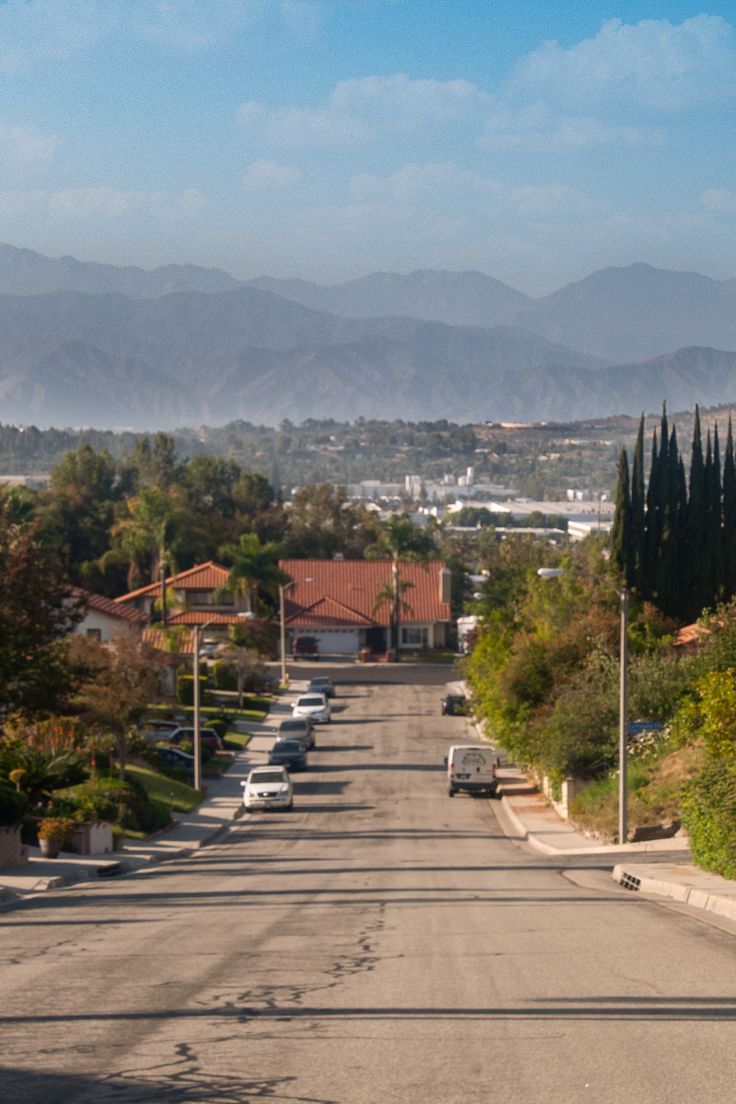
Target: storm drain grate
(630,881)
(109,870)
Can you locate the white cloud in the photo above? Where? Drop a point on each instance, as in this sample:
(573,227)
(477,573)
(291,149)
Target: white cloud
(653,63)
(189,26)
(103,203)
(545,201)
(33,30)
(448,183)
(362,110)
(24,148)
(414,181)
(718,199)
(266,175)
(536,127)
(50,29)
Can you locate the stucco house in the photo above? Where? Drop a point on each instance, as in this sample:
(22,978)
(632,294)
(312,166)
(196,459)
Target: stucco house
(104,619)
(336,602)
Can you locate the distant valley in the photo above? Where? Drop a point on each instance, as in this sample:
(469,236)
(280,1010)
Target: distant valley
(89,344)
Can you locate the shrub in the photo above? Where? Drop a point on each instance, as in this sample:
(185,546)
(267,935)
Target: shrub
(58,829)
(185,689)
(709,815)
(13,806)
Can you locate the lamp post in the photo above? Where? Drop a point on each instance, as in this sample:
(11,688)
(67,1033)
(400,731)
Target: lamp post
(282,627)
(623,596)
(197,749)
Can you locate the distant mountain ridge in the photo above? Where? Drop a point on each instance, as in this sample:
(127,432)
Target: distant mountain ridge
(23,272)
(84,343)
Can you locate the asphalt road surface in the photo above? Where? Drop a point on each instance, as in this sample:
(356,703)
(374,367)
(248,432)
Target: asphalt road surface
(381,943)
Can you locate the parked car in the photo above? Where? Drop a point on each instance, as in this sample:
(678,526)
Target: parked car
(159,730)
(455,705)
(322,686)
(303,646)
(298,728)
(288,753)
(184,734)
(175,757)
(472,768)
(268,788)
(314,706)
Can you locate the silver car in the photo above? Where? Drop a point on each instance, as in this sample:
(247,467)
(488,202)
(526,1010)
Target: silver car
(268,788)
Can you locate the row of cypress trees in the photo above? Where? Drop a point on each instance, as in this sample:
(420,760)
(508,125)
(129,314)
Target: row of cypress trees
(674,537)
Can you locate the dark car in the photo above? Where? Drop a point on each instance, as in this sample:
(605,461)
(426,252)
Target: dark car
(175,757)
(454,705)
(304,646)
(289,754)
(182,735)
(321,686)
(298,728)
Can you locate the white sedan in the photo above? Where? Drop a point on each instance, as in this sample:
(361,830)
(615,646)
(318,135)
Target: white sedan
(314,706)
(268,788)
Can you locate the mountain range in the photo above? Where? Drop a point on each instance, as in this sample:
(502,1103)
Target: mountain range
(92,344)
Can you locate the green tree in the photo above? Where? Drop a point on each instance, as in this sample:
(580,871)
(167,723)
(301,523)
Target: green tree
(36,612)
(145,538)
(399,539)
(122,681)
(254,569)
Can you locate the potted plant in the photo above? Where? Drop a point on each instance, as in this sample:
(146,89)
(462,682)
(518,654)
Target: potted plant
(53,834)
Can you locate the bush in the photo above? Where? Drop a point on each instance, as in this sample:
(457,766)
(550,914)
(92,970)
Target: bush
(13,806)
(185,689)
(123,803)
(709,816)
(223,674)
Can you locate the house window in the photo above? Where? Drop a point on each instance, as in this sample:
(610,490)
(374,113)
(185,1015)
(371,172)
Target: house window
(94,634)
(414,636)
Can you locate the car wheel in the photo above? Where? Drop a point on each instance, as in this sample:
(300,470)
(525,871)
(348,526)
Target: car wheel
(450,792)
(290,806)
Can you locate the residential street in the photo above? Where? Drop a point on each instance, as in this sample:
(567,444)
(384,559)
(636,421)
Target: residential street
(381,943)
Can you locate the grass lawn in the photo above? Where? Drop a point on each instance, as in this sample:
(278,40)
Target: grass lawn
(176,795)
(236,741)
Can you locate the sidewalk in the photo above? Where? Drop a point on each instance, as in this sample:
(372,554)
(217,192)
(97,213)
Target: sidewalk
(535,822)
(222,805)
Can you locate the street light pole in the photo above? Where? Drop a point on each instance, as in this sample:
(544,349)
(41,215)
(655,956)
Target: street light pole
(282,627)
(197,748)
(623,789)
(623,694)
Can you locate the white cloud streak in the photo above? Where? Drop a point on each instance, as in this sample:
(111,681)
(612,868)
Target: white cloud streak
(653,63)
(270,175)
(360,111)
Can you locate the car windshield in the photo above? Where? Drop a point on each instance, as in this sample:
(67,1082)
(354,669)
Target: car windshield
(288,746)
(292,726)
(265,776)
(317,700)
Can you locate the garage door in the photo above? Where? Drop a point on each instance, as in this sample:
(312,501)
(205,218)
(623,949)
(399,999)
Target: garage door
(337,641)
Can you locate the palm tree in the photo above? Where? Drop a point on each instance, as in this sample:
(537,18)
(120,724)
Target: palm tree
(255,568)
(400,539)
(145,538)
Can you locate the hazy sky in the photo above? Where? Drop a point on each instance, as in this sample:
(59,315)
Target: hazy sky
(330,138)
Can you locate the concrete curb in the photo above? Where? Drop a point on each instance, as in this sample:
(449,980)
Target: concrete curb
(686,884)
(99,867)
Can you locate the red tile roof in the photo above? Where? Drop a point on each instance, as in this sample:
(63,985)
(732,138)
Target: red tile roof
(184,646)
(335,592)
(108,606)
(201,617)
(206,576)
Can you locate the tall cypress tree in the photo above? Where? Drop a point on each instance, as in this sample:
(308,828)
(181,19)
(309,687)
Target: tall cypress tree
(729,517)
(622,550)
(696,522)
(638,510)
(651,559)
(714,524)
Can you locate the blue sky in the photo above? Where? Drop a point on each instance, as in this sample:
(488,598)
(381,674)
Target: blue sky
(331,138)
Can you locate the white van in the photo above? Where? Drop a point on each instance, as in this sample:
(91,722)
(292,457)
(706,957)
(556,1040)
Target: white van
(472,768)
